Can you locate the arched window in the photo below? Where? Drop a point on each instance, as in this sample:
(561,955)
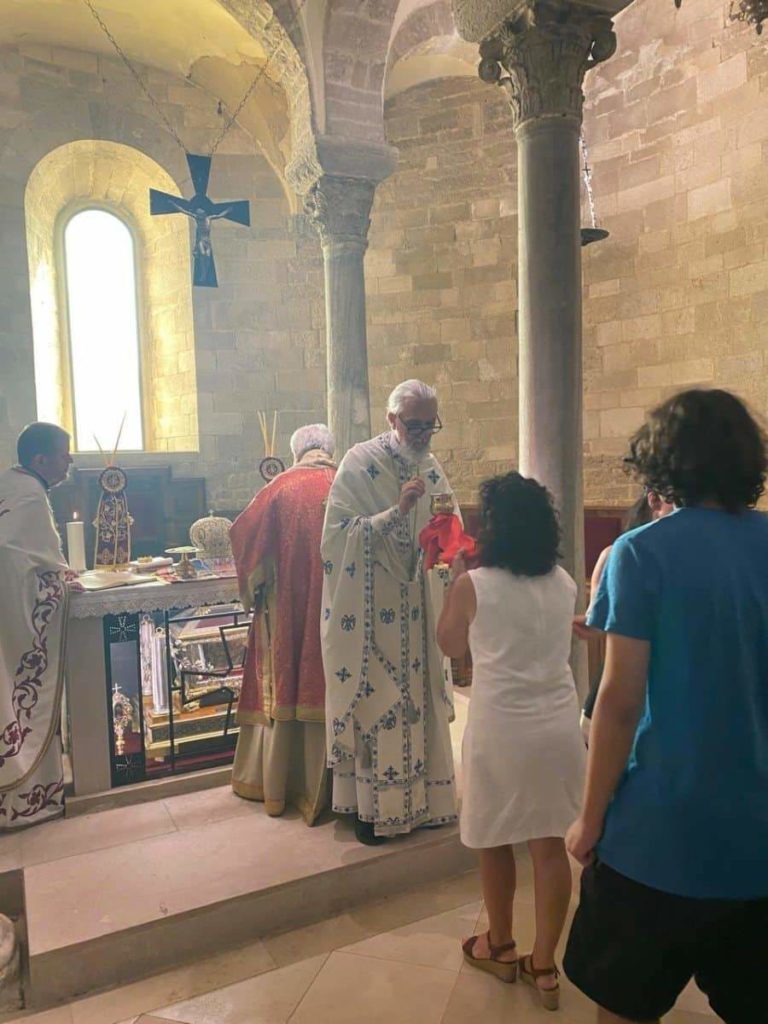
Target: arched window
(103,328)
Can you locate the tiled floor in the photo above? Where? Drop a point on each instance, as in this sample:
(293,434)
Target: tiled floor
(394,962)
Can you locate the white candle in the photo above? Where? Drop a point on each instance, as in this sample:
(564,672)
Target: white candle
(76,545)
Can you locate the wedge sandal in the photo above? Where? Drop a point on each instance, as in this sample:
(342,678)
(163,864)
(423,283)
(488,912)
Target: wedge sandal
(505,971)
(550,997)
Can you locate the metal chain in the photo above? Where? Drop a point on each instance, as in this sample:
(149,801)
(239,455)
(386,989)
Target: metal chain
(587,174)
(249,91)
(232,118)
(134,72)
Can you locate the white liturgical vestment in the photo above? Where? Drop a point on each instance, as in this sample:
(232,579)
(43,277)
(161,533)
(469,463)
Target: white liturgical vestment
(388,699)
(33,602)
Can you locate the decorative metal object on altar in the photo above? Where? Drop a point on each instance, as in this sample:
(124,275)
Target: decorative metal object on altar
(592,233)
(125,718)
(271,465)
(113,522)
(184,569)
(210,535)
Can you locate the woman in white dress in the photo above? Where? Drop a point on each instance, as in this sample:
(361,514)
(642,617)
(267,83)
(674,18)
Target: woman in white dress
(523,756)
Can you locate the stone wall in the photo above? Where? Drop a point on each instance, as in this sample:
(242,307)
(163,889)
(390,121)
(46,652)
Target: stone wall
(677,130)
(259,337)
(677,296)
(441,271)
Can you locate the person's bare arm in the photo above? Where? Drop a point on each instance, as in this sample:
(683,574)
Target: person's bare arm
(580,627)
(614,723)
(458,611)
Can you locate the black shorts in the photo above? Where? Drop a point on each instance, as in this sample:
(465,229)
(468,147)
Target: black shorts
(633,949)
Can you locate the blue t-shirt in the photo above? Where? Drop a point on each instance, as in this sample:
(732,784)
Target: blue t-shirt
(690,815)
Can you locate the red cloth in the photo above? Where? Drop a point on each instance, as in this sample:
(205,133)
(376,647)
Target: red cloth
(442,539)
(277,538)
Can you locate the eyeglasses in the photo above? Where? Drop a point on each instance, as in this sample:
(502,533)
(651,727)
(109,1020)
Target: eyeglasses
(417,428)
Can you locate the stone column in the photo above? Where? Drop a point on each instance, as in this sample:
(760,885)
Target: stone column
(539,51)
(339,204)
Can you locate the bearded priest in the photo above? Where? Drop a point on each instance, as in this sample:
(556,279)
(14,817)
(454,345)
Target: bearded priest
(35,580)
(388,702)
(280,757)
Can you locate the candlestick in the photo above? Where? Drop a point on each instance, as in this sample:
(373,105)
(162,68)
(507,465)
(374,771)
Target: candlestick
(76,545)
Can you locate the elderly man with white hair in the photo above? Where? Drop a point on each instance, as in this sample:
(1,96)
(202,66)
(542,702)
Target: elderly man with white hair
(388,704)
(281,757)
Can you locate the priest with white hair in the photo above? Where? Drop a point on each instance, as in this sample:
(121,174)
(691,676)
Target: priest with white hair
(388,702)
(280,757)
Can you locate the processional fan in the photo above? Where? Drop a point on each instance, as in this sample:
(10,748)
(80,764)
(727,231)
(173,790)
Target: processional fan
(271,465)
(113,521)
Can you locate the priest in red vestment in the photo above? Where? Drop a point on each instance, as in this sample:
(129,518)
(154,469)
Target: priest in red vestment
(281,756)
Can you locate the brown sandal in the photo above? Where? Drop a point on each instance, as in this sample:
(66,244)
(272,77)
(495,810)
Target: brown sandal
(505,970)
(550,997)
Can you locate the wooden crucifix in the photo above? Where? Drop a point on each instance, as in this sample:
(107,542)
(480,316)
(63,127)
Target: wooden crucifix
(202,210)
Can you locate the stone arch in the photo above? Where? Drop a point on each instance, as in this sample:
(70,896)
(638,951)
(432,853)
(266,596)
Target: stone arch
(113,176)
(281,32)
(425,46)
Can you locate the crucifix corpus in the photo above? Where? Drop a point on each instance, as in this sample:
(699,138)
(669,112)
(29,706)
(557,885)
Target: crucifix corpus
(202,210)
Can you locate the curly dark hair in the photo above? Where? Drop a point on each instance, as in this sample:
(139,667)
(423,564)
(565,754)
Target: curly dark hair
(519,527)
(701,446)
(639,514)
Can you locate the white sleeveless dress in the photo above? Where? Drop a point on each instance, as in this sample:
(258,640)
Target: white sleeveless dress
(523,757)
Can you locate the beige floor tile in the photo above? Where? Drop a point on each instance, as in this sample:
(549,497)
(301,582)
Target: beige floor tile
(68,837)
(350,989)
(408,907)
(269,999)
(432,942)
(173,986)
(694,1000)
(315,939)
(10,852)
(60,1015)
(206,806)
(686,1017)
(480,997)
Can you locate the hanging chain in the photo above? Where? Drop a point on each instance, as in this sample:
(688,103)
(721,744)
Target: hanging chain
(232,118)
(261,73)
(134,72)
(587,174)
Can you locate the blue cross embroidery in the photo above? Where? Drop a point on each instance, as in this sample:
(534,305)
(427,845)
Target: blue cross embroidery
(368,689)
(433,475)
(351,569)
(344,523)
(372,471)
(391,773)
(418,767)
(338,726)
(348,623)
(327,568)
(389,721)
(387,615)
(327,614)
(414,614)
(416,665)
(343,674)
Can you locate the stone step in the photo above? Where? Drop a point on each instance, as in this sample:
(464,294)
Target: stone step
(110,914)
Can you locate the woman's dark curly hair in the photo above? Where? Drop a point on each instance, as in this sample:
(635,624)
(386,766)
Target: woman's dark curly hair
(701,446)
(519,528)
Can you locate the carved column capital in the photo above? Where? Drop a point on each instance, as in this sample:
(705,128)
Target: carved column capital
(340,209)
(540,57)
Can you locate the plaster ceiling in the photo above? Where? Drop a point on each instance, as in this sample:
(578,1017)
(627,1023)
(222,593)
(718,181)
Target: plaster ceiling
(168,34)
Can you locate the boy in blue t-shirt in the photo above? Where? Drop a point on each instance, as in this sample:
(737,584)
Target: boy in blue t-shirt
(674,829)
